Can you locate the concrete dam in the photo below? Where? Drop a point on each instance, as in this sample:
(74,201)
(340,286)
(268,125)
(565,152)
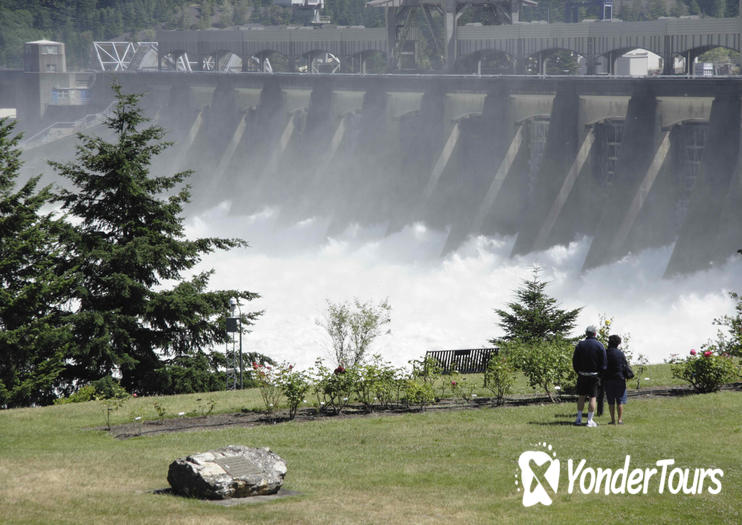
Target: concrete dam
(630,163)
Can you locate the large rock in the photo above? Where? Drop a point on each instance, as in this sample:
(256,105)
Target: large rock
(231,472)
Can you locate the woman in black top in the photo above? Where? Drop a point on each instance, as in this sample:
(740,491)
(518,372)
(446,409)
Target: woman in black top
(614,379)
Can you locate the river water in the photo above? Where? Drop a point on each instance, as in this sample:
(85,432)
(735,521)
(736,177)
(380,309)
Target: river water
(449,302)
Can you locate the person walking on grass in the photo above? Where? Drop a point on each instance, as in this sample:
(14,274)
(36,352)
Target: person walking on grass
(615,379)
(589,361)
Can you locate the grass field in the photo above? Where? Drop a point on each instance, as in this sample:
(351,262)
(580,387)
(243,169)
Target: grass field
(434,467)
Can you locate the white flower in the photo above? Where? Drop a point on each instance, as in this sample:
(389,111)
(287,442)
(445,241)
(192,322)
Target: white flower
(646,379)
(557,387)
(271,404)
(322,403)
(181,414)
(474,395)
(304,401)
(138,418)
(345,399)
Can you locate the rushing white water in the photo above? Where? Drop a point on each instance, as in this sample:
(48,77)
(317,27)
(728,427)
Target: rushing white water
(446,303)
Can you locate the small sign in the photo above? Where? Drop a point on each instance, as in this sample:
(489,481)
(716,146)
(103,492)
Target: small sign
(238,467)
(232,324)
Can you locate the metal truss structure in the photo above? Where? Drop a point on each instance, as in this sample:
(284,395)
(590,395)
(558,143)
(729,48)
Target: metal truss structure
(400,22)
(122,56)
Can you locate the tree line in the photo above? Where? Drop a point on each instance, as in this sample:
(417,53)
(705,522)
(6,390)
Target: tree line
(98,279)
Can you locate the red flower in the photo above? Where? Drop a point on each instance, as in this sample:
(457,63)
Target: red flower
(339,370)
(255,365)
(707,353)
(291,367)
(134,394)
(693,351)
(453,383)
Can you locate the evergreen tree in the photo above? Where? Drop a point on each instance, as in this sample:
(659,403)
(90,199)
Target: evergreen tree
(34,336)
(128,247)
(535,317)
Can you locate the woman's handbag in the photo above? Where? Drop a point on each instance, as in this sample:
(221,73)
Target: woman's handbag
(628,373)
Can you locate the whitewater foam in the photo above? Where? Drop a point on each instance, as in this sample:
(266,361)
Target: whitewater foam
(446,302)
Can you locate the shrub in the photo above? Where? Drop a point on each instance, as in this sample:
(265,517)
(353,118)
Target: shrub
(418,393)
(86,393)
(268,384)
(104,388)
(462,387)
(374,383)
(333,388)
(706,371)
(451,382)
(729,339)
(354,327)
(427,369)
(108,388)
(390,386)
(499,377)
(294,386)
(546,364)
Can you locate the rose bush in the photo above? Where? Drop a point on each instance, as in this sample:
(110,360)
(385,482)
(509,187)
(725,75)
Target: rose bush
(499,377)
(706,373)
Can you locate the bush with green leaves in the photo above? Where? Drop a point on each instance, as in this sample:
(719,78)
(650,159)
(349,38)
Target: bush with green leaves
(427,369)
(729,339)
(462,387)
(294,386)
(354,327)
(705,371)
(390,385)
(418,393)
(374,383)
(547,364)
(269,385)
(104,388)
(450,382)
(499,377)
(85,393)
(333,388)
(187,374)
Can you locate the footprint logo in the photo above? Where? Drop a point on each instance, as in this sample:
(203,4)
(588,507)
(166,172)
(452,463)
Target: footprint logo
(539,475)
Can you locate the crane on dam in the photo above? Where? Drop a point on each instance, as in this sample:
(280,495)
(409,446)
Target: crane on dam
(401,16)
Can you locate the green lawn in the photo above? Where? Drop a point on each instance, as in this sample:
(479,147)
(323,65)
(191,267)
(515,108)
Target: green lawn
(651,376)
(436,467)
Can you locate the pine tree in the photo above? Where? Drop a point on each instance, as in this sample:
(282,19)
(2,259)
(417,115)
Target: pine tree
(34,336)
(535,316)
(129,244)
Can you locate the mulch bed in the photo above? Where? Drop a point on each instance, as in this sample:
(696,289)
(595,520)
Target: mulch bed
(251,419)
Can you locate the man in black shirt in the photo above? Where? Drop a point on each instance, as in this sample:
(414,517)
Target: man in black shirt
(589,361)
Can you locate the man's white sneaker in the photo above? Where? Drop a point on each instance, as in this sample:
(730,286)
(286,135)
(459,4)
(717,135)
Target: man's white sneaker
(592,423)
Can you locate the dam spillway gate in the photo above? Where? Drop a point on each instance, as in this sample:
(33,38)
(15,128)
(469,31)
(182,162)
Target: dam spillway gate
(631,163)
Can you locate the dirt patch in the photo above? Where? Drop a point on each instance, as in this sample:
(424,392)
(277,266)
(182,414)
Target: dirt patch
(251,418)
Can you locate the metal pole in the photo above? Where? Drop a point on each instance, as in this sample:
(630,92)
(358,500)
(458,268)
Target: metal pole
(240,309)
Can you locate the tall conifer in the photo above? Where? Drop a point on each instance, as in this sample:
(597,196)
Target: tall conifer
(535,316)
(34,335)
(135,307)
